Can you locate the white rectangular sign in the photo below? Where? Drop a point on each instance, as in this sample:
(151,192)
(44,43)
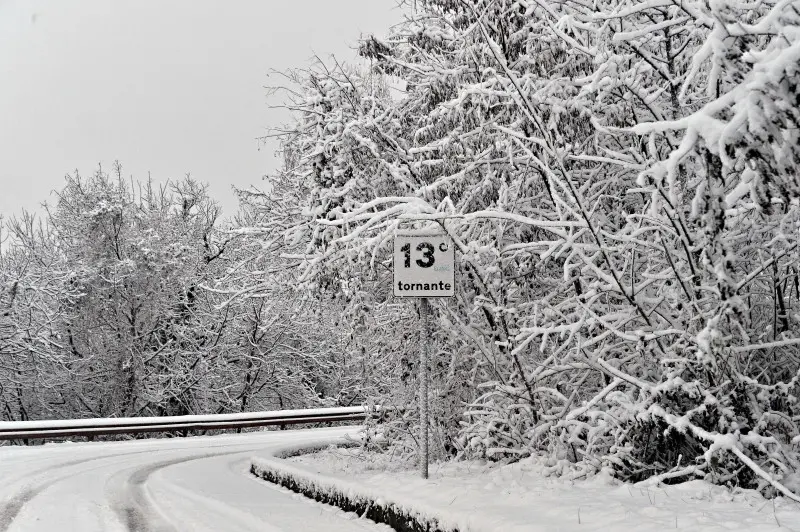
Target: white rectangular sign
(424,265)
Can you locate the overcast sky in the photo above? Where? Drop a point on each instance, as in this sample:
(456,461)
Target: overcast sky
(165,86)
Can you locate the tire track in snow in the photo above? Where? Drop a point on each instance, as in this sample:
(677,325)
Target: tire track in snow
(234,518)
(10,510)
(131,499)
(136,512)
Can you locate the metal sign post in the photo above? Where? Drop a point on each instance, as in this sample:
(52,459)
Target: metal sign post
(424,266)
(424,339)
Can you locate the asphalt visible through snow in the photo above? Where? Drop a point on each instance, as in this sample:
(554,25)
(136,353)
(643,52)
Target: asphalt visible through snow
(167,485)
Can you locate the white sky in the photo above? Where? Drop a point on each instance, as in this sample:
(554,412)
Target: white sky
(165,86)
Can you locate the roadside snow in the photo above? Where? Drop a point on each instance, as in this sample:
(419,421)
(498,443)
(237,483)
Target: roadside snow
(477,496)
(174,484)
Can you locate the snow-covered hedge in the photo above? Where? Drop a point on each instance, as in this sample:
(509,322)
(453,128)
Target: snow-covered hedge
(403,516)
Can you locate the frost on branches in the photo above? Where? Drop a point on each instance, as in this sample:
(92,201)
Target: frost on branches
(621,181)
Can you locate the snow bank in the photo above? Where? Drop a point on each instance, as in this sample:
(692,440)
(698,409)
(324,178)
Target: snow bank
(472,496)
(402,515)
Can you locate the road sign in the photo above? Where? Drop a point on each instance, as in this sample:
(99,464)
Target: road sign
(424,265)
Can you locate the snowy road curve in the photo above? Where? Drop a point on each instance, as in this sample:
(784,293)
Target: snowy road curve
(192,484)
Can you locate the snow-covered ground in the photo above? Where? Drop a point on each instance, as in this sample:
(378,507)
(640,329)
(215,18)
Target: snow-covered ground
(203,484)
(182,484)
(520,497)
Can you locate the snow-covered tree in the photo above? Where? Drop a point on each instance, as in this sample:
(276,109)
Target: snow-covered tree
(620,181)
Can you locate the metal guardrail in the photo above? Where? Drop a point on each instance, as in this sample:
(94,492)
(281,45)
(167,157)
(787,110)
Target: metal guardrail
(23,430)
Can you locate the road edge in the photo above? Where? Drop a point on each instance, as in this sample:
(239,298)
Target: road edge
(347,496)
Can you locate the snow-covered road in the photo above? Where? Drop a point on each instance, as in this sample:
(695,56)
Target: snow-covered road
(187,484)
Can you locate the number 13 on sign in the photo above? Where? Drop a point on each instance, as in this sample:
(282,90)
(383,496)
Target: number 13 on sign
(424,265)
